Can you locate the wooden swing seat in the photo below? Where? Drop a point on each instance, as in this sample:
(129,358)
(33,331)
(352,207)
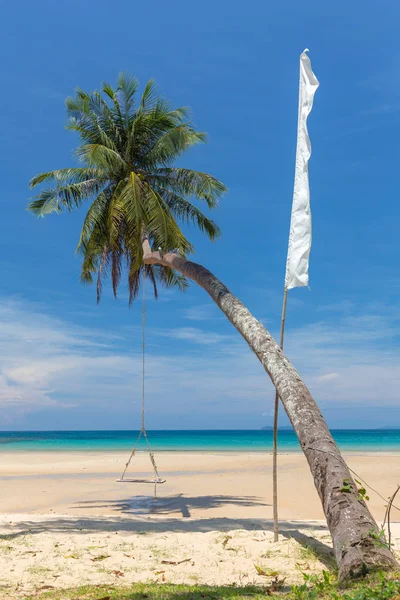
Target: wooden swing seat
(128,480)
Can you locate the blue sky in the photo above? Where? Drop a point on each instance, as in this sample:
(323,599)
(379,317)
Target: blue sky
(67,363)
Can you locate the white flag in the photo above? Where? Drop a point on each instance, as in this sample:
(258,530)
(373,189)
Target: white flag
(300,222)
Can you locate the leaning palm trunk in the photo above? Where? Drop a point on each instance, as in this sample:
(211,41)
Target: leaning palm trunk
(353,529)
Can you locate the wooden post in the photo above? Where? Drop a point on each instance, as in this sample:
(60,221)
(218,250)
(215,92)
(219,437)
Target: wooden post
(275,442)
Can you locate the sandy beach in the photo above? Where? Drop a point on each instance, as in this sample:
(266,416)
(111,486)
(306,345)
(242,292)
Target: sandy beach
(65,520)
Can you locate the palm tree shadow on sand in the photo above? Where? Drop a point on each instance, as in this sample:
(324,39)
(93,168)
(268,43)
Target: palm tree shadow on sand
(169,505)
(143,514)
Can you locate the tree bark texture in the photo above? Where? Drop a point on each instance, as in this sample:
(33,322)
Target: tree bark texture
(353,529)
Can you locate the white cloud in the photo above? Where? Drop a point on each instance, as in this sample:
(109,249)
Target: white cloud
(196,335)
(343,306)
(362,352)
(328,377)
(49,364)
(201,312)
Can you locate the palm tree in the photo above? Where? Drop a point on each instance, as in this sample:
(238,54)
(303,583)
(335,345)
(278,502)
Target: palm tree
(137,200)
(127,152)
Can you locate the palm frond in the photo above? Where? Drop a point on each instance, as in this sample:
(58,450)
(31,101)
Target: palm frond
(112,94)
(147,128)
(127,87)
(127,150)
(186,211)
(172,144)
(67,196)
(149,96)
(74,175)
(116,270)
(170,278)
(134,277)
(45,203)
(93,119)
(125,214)
(150,274)
(161,225)
(98,155)
(96,220)
(187,182)
(102,270)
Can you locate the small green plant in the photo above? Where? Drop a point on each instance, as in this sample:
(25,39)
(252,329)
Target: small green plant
(302,592)
(38,570)
(308,553)
(348,488)
(317,582)
(379,587)
(74,555)
(100,557)
(384,589)
(265,572)
(379,538)
(313,587)
(362,492)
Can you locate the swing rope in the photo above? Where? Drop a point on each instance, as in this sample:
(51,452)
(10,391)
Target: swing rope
(143,432)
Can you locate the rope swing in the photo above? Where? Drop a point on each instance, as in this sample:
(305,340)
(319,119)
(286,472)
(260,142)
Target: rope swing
(157,479)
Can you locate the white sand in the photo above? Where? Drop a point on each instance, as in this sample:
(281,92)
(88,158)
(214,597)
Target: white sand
(65,521)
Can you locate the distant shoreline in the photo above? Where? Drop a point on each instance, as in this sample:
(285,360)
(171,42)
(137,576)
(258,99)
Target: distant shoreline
(264,428)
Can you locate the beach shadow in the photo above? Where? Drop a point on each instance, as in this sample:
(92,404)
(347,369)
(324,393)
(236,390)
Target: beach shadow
(142,525)
(129,526)
(166,505)
(144,515)
(314,547)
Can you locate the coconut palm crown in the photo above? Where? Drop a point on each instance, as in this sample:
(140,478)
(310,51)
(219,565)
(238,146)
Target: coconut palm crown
(128,148)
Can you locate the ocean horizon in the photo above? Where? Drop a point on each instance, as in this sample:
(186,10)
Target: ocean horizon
(378,440)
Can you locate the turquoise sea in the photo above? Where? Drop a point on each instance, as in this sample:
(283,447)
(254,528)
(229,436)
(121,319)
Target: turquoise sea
(379,440)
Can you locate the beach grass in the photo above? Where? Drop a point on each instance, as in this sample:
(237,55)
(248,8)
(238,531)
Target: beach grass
(375,587)
(155,591)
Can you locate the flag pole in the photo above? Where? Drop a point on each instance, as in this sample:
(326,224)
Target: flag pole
(275,441)
(299,235)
